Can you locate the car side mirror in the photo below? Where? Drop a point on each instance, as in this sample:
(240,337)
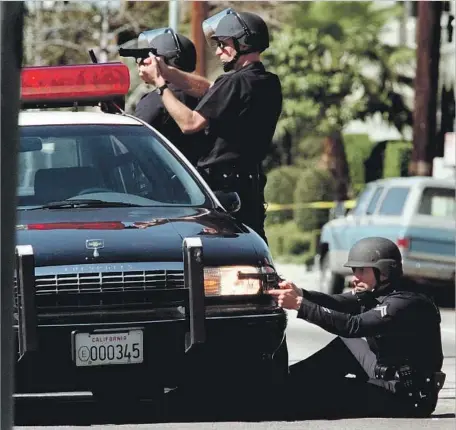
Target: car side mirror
(229,200)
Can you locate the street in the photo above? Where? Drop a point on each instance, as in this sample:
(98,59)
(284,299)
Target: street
(303,339)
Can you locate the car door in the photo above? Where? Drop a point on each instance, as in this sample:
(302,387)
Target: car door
(388,218)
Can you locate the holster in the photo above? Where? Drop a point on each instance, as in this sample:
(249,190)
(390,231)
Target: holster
(435,382)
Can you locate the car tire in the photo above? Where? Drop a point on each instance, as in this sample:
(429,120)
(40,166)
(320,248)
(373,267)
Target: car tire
(330,282)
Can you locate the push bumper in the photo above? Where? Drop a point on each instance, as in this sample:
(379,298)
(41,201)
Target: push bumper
(223,335)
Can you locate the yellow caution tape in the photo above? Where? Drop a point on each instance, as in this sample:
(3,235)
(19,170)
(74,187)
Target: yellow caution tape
(275,207)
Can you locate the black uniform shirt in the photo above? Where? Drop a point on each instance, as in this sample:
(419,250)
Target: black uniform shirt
(150,109)
(401,327)
(242,107)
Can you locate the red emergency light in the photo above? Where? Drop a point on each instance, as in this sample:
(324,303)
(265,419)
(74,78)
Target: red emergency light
(103,225)
(86,83)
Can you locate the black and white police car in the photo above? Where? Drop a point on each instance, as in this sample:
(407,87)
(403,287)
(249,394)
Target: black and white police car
(131,274)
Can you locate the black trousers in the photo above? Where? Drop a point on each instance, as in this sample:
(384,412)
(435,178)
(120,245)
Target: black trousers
(319,385)
(250,188)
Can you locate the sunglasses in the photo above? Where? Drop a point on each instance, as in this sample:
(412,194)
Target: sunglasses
(221,44)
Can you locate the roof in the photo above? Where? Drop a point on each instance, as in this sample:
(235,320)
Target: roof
(417,180)
(52,117)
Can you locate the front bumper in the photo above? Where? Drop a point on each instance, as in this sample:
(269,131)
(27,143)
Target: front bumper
(236,342)
(184,333)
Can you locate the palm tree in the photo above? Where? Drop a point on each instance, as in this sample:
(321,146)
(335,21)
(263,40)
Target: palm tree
(335,68)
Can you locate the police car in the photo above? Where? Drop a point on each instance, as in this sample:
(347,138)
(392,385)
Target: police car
(131,274)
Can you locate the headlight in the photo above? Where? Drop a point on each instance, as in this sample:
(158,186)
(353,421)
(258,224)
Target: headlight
(235,280)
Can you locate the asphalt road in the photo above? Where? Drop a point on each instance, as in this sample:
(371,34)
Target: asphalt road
(303,339)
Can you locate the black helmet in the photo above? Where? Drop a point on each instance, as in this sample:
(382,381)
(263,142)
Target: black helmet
(245,28)
(178,50)
(379,253)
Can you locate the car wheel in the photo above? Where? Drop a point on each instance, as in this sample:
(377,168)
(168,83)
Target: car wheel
(330,282)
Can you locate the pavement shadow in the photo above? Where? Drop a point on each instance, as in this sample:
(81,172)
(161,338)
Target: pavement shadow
(443,416)
(181,406)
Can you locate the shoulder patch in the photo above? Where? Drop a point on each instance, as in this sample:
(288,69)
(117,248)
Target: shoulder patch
(382,309)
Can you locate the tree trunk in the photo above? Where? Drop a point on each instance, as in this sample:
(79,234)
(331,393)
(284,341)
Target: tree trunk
(334,160)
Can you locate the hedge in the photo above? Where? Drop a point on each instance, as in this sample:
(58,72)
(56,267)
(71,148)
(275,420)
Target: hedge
(358,148)
(313,185)
(397,159)
(280,190)
(288,242)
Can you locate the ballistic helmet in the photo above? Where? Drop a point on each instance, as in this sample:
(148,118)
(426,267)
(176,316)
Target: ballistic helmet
(244,28)
(379,253)
(177,50)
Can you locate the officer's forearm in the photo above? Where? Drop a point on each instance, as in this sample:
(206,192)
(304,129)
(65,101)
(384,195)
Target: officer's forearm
(184,117)
(193,84)
(338,302)
(335,322)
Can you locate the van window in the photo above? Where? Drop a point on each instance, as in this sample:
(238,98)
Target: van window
(362,201)
(439,202)
(394,202)
(373,203)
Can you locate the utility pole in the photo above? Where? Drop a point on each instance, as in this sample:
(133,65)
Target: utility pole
(426,87)
(173,14)
(11,37)
(104,32)
(403,24)
(199,14)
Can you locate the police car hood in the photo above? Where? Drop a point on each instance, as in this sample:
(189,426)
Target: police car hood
(111,235)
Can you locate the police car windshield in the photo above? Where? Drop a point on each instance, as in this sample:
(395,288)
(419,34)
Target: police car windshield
(109,163)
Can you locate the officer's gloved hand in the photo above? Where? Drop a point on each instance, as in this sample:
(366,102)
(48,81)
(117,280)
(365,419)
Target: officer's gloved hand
(366,298)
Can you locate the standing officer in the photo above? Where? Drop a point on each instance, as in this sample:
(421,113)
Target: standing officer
(397,368)
(239,110)
(178,51)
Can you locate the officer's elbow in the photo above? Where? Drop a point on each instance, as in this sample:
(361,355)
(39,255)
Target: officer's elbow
(192,126)
(187,129)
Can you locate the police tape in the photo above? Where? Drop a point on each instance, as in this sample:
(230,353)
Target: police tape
(276,207)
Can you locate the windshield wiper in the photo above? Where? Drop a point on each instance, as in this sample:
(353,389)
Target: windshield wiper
(83,203)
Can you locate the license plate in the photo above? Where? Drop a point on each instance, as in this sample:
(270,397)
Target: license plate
(101,349)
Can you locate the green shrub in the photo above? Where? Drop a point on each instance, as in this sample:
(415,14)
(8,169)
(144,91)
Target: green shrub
(280,190)
(313,185)
(358,148)
(288,243)
(309,151)
(397,158)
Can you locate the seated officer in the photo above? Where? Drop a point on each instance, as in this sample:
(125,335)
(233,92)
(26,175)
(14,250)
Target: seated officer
(396,371)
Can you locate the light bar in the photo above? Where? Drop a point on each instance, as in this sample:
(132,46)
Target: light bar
(74,83)
(68,225)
